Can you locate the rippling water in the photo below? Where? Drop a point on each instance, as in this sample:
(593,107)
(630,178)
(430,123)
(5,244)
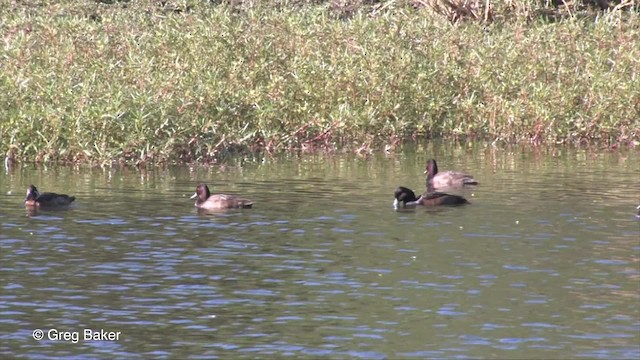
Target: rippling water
(543,264)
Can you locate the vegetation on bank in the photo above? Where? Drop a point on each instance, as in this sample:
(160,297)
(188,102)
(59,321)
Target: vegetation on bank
(183,81)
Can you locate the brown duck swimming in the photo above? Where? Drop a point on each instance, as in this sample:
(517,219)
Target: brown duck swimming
(446,179)
(204,200)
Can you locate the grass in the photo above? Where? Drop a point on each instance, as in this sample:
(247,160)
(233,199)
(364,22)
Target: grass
(141,82)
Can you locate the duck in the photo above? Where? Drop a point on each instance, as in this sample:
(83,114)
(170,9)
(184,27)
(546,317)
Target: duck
(638,214)
(406,198)
(206,201)
(446,179)
(49,200)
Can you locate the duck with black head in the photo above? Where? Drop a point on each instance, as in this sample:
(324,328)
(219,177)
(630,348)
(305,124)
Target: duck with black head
(36,199)
(406,198)
(206,201)
(446,179)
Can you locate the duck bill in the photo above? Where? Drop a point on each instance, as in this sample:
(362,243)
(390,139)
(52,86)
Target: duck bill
(195,195)
(395,204)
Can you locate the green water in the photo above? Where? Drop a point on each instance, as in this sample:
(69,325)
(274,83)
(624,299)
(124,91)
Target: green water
(543,264)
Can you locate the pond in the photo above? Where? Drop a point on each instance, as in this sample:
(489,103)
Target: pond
(544,262)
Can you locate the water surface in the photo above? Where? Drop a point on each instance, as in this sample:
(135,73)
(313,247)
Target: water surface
(542,264)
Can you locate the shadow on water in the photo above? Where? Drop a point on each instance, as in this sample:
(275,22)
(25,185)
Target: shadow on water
(543,264)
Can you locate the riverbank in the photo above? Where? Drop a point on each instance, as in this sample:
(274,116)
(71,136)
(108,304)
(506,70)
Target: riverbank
(138,83)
